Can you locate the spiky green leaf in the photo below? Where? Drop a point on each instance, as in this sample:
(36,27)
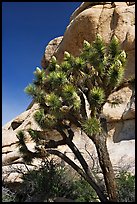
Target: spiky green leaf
(66,66)
(53,101)
(96,96)
(86,45)
(21,137)
(91,126)
(53,60)
(45,121)
(30,90)
(34,135)
(114,47)
(67,55)
(115,74)
(57,79)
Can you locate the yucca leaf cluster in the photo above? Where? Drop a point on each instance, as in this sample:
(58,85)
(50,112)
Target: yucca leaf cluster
(63,90)
(92,126)
(91,76)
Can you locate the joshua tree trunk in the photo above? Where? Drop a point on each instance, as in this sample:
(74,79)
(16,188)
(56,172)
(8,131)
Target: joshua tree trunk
(106,166)
(87,174)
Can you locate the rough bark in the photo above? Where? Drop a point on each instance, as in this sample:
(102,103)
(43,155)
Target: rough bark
(106,166)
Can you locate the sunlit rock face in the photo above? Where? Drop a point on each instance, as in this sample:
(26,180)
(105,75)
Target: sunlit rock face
(49,51)
(107,19)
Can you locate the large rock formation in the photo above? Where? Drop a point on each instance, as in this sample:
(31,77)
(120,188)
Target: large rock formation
(107,19)
(49,51)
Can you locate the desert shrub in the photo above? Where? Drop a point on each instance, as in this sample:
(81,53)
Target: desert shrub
(7,195)
(52,180)
(126,186)
(83,192)
(40,184)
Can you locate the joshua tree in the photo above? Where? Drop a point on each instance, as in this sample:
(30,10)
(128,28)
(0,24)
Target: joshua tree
(63,92)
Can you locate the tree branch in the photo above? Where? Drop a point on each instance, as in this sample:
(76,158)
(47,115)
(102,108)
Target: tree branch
(100,193)
(90,157)
(83,106)
(73,119)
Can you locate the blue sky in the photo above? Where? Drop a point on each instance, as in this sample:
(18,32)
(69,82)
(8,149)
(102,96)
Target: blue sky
(27,28)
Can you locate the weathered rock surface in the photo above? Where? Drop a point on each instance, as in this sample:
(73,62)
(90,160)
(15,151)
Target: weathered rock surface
(105,18)
(49,51)
(83,6)
(86,21)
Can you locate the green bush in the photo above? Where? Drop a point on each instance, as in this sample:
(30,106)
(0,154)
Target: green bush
(126,186)
(83,192)
(7,195)
(41,184)
(51,181)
